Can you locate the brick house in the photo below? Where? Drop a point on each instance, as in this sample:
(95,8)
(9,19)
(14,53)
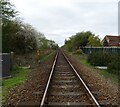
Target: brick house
(110,40)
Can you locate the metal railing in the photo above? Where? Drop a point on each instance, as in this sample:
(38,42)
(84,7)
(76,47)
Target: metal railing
(98,49)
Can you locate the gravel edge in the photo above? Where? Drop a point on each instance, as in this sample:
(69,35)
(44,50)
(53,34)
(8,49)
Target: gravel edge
(105,90)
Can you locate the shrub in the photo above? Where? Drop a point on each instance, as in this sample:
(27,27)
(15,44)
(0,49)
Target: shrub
(114,67)
(99,58)
(78,51)
(109,59)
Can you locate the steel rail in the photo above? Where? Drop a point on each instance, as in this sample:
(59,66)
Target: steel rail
(86,87)
(48,82)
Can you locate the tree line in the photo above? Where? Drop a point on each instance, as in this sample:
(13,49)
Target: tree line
(18,36)
(82,39)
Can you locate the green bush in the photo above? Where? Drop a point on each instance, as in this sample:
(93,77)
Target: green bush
(109,59)
(114,67)
(99,58)
(78,51)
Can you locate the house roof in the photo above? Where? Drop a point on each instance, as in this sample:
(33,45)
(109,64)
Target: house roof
(113,40)
(113,37)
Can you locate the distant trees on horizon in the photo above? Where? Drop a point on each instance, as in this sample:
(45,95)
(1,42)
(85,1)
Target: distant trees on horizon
(82,39)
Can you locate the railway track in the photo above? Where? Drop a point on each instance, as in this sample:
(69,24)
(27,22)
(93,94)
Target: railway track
(65,87)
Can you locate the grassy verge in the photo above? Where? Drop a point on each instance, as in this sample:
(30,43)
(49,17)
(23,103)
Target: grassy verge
(19,75)
(105,73)
(44,57)
(9,83)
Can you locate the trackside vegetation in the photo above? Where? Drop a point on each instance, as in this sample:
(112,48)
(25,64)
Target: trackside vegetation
(44,57)
(22,39)
(105,73)
(18,36)
(19,75)
(109,59)
(87,39)
(81,39)
(78,51)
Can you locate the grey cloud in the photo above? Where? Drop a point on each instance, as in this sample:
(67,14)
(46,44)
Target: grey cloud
(59,21)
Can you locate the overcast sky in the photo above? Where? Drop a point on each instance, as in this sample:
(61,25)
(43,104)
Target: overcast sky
(60,19)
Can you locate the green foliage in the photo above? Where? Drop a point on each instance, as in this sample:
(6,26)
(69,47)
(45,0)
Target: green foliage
(94,41)
(106,73)
(11,82)
(52,44)
(44,57)
(114,67)
(111,60)
(68,46)
(7,9)
(18,36)
(81,39)
(25,40)
(46,44)
(99,58)
(9,31)
(78,51)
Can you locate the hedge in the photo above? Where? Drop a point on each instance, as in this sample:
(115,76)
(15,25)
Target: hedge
(111,60)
